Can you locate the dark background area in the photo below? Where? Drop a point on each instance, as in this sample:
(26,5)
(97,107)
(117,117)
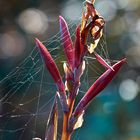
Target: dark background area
(115,114)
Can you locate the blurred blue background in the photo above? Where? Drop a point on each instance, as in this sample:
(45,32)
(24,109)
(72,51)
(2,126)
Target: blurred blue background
(114,114)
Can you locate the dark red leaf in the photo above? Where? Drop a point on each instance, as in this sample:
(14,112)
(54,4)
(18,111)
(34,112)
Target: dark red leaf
(51,66)
(102,61)
(67,42)
(98,86)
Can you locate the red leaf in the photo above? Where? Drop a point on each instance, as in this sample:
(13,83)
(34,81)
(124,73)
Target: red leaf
(67,42)
(97,87)
(102,61)
(79,48)
(51,66)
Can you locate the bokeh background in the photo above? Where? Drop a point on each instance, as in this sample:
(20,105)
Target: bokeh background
(115,114)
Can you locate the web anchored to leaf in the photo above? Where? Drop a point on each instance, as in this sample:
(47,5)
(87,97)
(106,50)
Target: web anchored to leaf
(28,93)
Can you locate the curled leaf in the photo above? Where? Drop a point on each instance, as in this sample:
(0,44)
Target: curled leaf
(91,26)
(96,31)
(97,28)
(97,87)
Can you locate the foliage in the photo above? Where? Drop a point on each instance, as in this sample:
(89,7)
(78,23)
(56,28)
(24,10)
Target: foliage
(91,26)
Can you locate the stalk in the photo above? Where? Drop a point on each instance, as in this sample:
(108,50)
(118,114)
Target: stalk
(66,135)
(67,128)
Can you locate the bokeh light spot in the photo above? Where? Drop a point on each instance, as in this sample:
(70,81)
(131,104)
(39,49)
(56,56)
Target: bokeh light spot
(107,9)
(72,11)
(33,21)
(128,90)
(128,5)
(12,44)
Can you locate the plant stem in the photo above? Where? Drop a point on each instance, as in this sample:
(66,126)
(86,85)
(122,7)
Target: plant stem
(66,135)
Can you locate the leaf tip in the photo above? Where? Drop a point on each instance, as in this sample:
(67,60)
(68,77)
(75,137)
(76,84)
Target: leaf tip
(60,18)
(62,21)
(123,60)
(37,41)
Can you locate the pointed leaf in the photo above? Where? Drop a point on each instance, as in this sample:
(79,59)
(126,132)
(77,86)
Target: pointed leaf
(97,87)
(66,40)
(102,61)
(51,132)
(51,66)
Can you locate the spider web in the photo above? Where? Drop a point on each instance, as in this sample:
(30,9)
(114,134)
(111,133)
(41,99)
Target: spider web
(28,91)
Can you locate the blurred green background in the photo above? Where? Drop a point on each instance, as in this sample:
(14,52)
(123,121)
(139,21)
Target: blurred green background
(114,114)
